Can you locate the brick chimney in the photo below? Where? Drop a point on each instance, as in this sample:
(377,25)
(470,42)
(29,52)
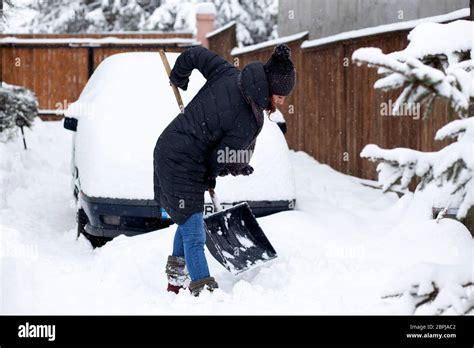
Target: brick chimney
(205,16)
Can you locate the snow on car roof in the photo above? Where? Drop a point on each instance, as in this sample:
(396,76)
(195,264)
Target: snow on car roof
(123,109)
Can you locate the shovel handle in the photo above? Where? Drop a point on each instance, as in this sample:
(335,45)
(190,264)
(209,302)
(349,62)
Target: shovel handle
(177,95)
(215,201)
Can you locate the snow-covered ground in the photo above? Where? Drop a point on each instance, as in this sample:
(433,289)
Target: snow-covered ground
(343,249)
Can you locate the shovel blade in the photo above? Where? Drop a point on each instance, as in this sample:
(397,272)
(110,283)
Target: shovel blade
(236,240)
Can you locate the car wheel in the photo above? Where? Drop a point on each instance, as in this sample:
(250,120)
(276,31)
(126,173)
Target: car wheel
(95,241)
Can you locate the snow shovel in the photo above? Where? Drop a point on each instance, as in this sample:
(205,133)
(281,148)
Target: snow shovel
(235,239)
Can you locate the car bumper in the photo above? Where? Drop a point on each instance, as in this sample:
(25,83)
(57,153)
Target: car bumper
(135,216)
(143,216)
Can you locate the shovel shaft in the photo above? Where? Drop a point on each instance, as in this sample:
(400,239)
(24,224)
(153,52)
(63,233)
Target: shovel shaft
(177,95)
(215,201)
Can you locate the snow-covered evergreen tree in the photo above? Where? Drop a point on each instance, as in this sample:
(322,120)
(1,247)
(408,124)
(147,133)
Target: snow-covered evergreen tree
(3,6)
(256,19)
(438,63)
(80,16)
(172,16)
(18,107)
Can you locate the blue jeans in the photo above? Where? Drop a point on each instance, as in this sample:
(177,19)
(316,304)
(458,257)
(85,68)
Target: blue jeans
(189,242)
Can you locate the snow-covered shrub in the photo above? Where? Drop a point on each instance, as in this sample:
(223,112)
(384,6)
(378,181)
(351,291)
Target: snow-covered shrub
(18,107)
(437,63)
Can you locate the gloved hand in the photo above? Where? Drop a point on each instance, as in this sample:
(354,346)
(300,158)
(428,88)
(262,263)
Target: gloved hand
(224,172)
(235,171)
(247,170)
(181,84)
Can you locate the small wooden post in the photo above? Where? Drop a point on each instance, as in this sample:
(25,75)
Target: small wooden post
(24,140)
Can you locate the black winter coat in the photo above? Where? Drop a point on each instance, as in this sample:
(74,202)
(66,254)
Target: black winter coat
(226,113)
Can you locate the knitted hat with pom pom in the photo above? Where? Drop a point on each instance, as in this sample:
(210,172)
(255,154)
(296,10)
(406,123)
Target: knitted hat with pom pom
(280,71)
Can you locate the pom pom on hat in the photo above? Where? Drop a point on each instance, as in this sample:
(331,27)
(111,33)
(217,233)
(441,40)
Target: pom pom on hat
(280,71)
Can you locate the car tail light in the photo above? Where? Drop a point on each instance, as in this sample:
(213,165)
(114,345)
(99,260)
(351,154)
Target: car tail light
(111,220)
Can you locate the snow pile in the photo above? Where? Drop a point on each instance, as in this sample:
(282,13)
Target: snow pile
(123,109)
(347,249)
(445,242)
(273,176)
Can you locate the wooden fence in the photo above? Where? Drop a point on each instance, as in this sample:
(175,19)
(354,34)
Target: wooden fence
(334,110)
(57,67)
(224,40)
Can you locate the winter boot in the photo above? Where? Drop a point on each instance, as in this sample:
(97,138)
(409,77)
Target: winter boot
(177,273)
(199,285)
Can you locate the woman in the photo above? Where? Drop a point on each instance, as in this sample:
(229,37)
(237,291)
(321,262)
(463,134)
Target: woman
(225,115)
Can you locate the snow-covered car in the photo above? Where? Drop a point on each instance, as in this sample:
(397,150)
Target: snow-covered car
(117,119)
